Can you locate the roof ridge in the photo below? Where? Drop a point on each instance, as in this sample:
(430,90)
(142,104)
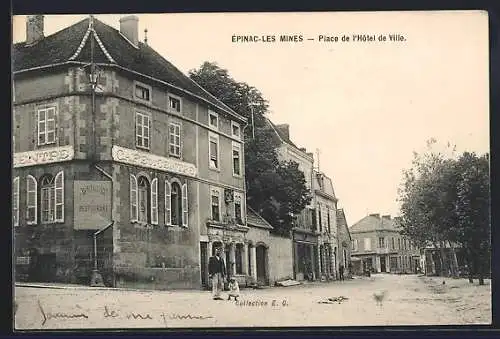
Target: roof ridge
(91,30)
(259,216)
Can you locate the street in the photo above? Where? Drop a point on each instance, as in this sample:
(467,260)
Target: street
(409,300)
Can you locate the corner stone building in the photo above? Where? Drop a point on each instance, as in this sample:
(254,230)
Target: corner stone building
(377,246)
(129,159)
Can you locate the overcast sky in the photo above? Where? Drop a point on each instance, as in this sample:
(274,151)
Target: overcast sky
(365,106)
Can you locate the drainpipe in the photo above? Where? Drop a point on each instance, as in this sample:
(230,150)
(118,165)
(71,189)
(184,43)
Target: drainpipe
(96,279)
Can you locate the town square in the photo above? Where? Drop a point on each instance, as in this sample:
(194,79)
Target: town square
(234,184)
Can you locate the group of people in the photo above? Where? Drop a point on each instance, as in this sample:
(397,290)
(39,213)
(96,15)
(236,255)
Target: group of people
(217,273)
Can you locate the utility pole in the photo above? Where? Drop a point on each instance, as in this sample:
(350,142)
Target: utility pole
(253,120)
(317,156)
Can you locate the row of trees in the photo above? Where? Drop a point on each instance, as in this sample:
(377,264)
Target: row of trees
(445,202)
(275,189)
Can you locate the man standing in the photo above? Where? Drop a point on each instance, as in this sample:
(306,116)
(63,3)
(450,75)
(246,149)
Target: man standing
(341,272)
(217,272)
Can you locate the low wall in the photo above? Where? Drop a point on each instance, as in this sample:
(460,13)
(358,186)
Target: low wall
(280,259)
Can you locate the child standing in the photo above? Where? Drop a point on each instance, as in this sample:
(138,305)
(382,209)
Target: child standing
(234,289)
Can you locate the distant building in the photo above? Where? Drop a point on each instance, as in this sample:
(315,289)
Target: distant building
(305,231)
(344,242)
(378,246)
(326,217)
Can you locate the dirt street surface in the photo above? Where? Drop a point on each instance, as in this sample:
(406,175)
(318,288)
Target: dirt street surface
(409,300)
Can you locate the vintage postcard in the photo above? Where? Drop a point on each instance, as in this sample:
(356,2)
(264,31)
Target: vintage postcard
(251,170)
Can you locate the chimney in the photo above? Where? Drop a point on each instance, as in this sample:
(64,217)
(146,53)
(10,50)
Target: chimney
(34,29)
(388,217)
(129,27)
(376,215)
(285,129)
(310,154)
(303,149)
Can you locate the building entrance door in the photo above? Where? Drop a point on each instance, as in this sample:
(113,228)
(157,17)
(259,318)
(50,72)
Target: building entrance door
(261,256)
(204,264)
(383,264)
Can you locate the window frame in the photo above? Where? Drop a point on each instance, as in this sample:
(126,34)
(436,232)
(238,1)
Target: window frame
(233,125)
(147,196)
(46,131)
(178,210)
(218,192)
(15,201)
(142,115)
(146,87)
(212,113)
(213,137)
(175,125)
(169,107)
(238,196)
(369,242)
(31,204)
(235,146)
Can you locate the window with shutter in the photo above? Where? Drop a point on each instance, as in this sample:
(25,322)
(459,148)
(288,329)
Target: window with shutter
(154,201)
(47,199)
(168,209)
(15,201)
(185,213)
(133,198)
(31,200)
(59,197)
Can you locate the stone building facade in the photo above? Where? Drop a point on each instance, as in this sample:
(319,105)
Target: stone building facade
(326,217)
(377,246)
(121,160)
(344,242)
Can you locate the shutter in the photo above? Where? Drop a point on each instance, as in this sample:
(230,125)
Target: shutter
(185,213)
(154,201)
(59,197)
(15,202)
(168,209)
(31,201)
(133,198)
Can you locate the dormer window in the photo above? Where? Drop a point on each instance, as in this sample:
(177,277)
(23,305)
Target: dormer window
(142,92)
(174,103)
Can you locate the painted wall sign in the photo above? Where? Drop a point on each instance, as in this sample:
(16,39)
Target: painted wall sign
(92,204)
(143,159)
(43,156)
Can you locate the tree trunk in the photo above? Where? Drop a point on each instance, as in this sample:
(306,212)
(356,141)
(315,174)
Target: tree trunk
(443,260)
(470,264)
(454,261)
(480,266)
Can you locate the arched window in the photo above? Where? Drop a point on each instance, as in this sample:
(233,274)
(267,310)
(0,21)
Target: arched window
(47,197)
(143,199)
(15,201)
(31,200)
(176,204)
(51,197)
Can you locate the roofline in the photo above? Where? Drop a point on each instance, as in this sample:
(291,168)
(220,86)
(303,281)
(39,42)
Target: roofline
(325,195)
(302,153)
(258,215)
(71,62)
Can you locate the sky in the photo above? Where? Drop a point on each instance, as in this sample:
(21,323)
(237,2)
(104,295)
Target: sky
(362,107)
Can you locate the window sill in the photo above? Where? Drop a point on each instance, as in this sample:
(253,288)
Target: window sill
(142,148)
(239,176)
(215,169)
(143,101)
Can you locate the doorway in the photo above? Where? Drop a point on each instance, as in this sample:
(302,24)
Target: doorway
(261,258)
(383,265)
(203,264)
(44,269)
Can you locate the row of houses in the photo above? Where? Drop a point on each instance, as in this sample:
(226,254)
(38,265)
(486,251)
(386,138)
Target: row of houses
(125,168)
